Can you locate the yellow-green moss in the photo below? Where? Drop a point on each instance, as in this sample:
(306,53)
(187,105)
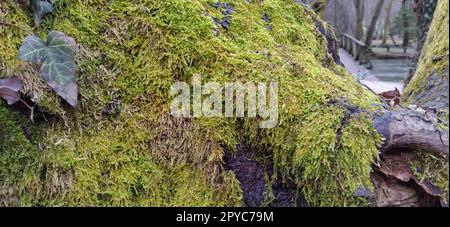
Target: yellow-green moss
(108,168)
(133,51)
(16,152)
(432,71)
(436,170)
(434,57)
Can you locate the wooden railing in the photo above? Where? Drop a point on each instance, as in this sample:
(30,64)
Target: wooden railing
(357,49)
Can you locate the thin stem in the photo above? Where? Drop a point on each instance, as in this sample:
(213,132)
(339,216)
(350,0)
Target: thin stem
(17,26)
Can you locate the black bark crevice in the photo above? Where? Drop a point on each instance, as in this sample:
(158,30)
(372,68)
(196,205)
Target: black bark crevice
(332,44)
(252,176)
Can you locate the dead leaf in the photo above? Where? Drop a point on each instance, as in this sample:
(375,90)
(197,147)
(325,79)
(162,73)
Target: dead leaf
(9,89)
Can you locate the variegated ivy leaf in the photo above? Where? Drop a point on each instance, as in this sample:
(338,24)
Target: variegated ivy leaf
(56,57)
(40,9)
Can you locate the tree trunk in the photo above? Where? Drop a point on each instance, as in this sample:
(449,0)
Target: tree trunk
(405,25)
(425,13)
(393,39)
(319,7)
(373,23)
(412,130)
(123,146)
(359,6)
(429,85)
(387,22)
(429,92)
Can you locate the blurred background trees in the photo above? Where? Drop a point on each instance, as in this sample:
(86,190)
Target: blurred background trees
(394,22)
(390,28)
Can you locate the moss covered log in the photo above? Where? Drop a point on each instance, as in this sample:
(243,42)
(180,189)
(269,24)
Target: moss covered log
(429,89)
(131,52)
(429,86)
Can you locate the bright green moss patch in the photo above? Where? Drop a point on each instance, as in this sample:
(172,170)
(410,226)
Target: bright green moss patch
(108,168)
(327,156)
(133,51)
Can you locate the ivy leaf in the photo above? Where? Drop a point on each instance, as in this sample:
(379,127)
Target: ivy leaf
(9,89)
(40,9)
(57,59)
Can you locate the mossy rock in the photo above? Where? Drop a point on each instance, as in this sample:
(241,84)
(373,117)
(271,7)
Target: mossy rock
(132,52)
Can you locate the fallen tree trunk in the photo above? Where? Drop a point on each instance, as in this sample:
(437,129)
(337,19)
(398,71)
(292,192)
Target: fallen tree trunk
(410,136)
(412,130)
(415,166)
(122,147)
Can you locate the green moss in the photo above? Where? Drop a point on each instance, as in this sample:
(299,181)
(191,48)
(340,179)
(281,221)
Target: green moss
(109,168)
(434,56)
(16,154)
(133,51)
(436,170)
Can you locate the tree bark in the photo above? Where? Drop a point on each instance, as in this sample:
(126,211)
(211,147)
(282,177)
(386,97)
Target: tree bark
(387,22)
(319,7)
(412,130)
(405,26)
(359,6)
(429,86)
(425,13)
(409,133)
(373,23)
